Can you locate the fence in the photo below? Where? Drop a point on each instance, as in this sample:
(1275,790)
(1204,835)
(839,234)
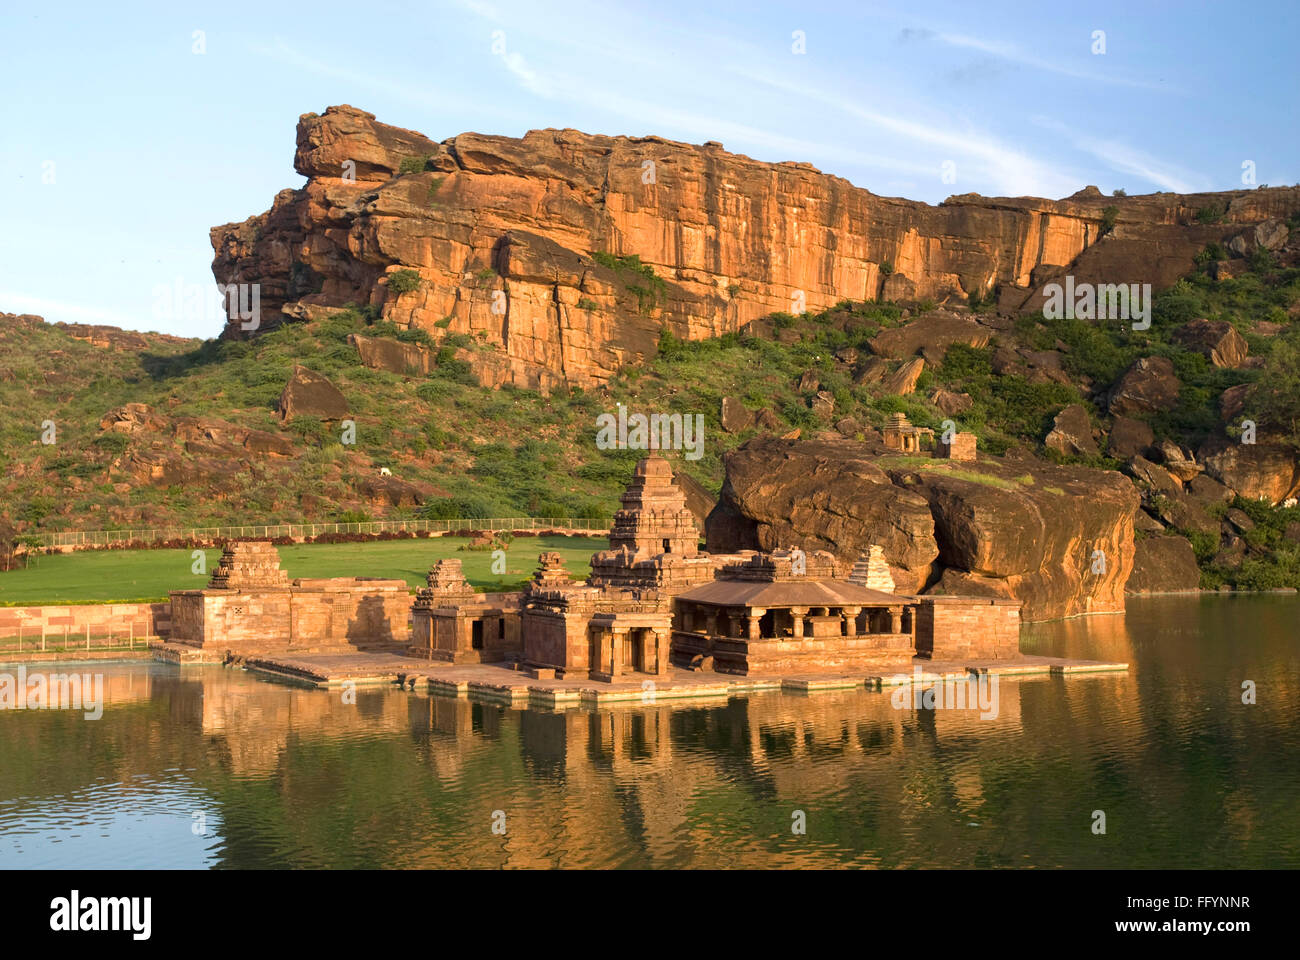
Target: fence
(298,531)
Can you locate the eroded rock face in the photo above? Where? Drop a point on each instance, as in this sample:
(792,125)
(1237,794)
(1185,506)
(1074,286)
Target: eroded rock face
(1024,528)
(1264,470)
(821,495)
(501,233)
(1163,564)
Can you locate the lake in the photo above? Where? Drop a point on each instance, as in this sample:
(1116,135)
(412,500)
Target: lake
(215,767)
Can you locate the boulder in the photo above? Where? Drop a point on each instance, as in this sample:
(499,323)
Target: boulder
(873,371)
(1239,520)
(933,332)
(1216,339)
(392,492)
(133,418)
(1128,438)
(1208,490)
(1233,401)
(903,380)
(820,495)
(808,382)
(735,417)
(1269,234)
(1148,386)
(1163,564)
(308,394)
(1265,470)
(823,404)
(1025,529)
(897,288)
(951,403)
(395,356)
(848,427)
(1143,522)
(1071,433)
(1039,538)
(1154,476)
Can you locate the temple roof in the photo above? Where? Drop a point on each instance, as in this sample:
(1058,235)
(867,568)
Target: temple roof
(790,593)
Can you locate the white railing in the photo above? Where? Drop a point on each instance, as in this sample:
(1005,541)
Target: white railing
(108,538)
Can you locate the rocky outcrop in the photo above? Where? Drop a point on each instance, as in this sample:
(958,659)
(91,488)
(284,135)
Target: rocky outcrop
(1217,340)
(1071,433)
(385,353)
(1265,470)
(1163,565)
(1148,386)
(903,380)
(934,332)
(1128,438)
(821,495)
(308,394)
(569,252)
(1060,539)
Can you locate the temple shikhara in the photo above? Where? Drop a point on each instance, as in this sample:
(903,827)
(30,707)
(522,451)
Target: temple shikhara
(654,604)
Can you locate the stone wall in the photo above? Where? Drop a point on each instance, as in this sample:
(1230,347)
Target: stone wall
(958,628)
(103,619)
(338,613)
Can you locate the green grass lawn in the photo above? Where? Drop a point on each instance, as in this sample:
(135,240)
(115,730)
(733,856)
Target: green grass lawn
(106,576)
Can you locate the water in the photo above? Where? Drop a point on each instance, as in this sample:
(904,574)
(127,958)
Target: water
(209,767)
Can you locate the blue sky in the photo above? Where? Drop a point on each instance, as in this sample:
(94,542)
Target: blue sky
(148,143)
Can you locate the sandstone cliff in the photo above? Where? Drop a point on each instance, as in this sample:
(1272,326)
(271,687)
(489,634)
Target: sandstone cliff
(501,234)
(1060,539)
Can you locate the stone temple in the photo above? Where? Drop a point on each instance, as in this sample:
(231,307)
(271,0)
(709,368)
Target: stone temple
(654,603)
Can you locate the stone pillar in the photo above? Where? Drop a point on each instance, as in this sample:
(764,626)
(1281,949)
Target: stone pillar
(895,619)
(662,641)
(850,615)
(798,613)
(711,622)
(616,652)
(755,615)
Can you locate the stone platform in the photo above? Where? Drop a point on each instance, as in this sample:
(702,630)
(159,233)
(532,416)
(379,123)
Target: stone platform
(504,683)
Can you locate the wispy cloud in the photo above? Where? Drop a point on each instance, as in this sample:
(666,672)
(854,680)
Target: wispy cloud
(281,52)
(1007,169)
(1013,54)
(1123,158)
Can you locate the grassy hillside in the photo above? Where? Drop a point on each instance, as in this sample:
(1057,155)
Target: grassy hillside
(477,452)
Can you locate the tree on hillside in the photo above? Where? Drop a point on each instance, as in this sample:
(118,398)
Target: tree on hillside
(1275,400)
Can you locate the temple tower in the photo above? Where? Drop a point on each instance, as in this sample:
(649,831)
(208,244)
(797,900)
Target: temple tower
(654,518)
